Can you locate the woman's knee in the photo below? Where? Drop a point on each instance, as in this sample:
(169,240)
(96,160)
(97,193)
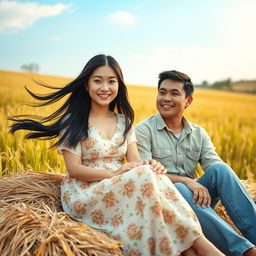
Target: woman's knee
(140,172)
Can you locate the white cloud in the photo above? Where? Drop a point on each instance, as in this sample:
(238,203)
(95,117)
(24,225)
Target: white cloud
(239,24)
(123,18)
(231,54)
(56,39)
(16,15)
(200,63)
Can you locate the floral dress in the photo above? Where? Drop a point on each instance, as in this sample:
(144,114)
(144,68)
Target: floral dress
(143,210)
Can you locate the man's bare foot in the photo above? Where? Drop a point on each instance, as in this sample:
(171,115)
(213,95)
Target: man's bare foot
(250,252)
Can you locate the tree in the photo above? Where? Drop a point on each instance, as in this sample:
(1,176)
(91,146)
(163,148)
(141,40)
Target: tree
(32,67)
(223,84)
(204,84)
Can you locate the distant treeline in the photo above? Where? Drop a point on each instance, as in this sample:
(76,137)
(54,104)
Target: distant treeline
(246,86)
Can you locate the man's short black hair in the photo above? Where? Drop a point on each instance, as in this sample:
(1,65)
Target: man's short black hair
(177,76)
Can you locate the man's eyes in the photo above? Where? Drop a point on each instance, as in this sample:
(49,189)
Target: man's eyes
(172,93)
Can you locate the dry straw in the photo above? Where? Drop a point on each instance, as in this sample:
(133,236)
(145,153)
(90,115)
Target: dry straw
(32,223)
(29,230)
(31,187)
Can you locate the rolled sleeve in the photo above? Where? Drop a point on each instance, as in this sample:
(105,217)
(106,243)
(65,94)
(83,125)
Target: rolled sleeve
(208,155)
(143,142)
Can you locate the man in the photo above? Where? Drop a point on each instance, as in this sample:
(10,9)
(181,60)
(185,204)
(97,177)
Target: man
(179,145)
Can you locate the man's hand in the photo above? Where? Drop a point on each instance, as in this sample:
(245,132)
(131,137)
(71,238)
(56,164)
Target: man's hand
(201,194)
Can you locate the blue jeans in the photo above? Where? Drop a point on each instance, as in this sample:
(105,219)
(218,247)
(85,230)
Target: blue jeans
(223,184)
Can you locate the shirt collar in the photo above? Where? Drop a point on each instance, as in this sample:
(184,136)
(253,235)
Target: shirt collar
(187,125)
(160,123)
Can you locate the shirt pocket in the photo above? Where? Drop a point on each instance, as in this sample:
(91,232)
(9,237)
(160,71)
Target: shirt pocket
(161,153)
(194,155)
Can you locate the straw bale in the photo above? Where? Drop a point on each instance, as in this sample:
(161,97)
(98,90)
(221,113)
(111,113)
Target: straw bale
(251,187)
(32,221)
(31,188)
(221,211)
(29,230)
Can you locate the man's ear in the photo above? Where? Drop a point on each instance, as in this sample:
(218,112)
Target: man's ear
(189,101)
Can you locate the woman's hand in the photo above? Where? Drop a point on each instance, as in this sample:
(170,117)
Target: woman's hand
(127,166)
(157,167)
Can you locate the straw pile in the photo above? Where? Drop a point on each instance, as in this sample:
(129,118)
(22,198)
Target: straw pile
(33,223)
(220,209)
(31,188)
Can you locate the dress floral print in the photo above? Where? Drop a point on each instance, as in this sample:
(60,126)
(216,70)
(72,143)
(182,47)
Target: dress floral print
(141,209)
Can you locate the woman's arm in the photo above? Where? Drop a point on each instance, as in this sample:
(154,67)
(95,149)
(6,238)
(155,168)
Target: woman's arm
(132,154)
(79,171)
(82,172)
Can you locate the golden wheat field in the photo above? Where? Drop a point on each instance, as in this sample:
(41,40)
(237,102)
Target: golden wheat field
(229,118)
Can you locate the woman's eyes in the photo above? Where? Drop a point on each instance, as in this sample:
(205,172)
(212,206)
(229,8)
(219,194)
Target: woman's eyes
(98,81)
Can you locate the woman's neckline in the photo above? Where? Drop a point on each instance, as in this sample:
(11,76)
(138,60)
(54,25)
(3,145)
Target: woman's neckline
(90,126)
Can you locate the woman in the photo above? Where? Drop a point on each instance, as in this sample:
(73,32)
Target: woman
(132,200)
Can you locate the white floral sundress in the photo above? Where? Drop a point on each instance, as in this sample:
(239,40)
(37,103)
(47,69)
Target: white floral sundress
(143,210)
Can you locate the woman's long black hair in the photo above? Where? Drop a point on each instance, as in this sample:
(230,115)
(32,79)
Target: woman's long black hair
(73,115)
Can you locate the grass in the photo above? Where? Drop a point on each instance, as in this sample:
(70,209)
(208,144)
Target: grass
(228,117)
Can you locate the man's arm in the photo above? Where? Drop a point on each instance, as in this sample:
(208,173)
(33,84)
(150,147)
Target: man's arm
(176,178)
(143,137)
(208,155)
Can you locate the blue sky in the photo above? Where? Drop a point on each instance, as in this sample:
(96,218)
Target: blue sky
(208,40)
